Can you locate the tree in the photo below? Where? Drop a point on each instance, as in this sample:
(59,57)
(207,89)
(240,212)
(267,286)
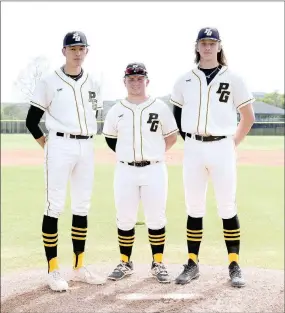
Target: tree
(28,77)
(273,98)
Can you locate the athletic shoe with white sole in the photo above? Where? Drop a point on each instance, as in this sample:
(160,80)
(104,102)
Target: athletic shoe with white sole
(83,275)
(236,277)
(160,272)
(123,269)
(56,282)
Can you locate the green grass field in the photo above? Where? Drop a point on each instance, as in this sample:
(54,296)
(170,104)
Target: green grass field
(260,199)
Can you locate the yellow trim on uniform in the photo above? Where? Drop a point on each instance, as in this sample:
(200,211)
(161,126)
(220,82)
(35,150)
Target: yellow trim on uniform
(78,238)
(193,257)
(82,229)
(126,241)
(176,103)
(196,235)
(53,265)
(50,245)
(195,231)
(221,73)
(133,129)
(124,258)
(192,239)
(232,239)
(141,125)
(74,98)
(50,235)
(76,233)
(83,103)
(200,101)
(207,111)
(78,260)
(232,231)
(156,240)
(158,257)
(50,240)
(158,244)
(126,245)
(126,237)
(157,236)
(233,257)
(245,102)
(172,132)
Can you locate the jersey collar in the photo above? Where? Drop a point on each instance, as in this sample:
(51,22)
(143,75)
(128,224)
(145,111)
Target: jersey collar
(68,79)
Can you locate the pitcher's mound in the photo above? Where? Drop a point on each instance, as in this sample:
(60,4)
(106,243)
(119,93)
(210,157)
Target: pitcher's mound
(27,292)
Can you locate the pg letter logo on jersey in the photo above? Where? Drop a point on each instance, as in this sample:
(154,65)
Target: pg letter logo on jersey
(92,99)
(153,120)
(223,90)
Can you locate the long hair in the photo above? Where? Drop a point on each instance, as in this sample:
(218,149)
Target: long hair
(221,57)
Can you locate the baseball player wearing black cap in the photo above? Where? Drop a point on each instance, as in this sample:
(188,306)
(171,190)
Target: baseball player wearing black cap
(140,129)
(206,101)
(70,97)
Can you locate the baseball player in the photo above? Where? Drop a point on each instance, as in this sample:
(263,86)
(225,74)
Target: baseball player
(206,100)
(70,99)
(140,129)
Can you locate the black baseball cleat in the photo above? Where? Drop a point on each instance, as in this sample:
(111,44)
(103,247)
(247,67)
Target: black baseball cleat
(123,269)
(160,272)
(237,279)
(191,271)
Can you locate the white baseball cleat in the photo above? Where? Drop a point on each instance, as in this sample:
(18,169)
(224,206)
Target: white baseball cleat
(83,275)
(56,282)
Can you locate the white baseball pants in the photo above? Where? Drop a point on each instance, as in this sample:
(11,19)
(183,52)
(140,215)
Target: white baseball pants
(217,160)
(68,159)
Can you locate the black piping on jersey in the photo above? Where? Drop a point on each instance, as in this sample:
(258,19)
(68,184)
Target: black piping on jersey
(207,111)
(200,102)
(134,148)
(74,98)
(245,102)
(83,103)
(141,125)
(174,102)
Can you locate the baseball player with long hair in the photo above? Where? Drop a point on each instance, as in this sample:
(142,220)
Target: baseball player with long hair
(206,100)
(70,99)
(140,129)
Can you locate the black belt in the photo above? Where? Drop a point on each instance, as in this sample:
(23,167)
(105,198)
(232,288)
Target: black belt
(206,138)
(139,164)
(74,136)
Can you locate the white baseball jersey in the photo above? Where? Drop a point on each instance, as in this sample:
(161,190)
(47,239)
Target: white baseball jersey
(210,109)
(140,129)
(70,105)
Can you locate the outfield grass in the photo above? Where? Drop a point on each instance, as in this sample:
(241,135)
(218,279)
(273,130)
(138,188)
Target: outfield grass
(25,141)
(261,209)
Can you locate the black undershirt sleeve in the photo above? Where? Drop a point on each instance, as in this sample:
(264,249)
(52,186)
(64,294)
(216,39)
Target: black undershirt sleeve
(32,121)
(111,142)
(177,115)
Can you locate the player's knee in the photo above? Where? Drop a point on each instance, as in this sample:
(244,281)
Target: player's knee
(125,225)
(227,212)
(156,224)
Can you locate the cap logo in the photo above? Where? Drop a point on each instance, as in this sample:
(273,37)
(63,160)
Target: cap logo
(76,37)
(208,31)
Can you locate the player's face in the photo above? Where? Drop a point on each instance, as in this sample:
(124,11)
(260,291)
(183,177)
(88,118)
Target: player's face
(208,49)
(136,85)
(75,55)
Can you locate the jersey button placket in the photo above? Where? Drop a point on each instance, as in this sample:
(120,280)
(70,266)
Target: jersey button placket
(138,143)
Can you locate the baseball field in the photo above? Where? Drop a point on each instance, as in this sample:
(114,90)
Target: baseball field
(260,198)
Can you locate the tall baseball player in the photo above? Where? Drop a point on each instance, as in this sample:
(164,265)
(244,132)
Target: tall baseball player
(140,129)
(206,101)
(70,98)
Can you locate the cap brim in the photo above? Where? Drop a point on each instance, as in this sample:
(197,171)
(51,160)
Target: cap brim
(209,38)
(76,44)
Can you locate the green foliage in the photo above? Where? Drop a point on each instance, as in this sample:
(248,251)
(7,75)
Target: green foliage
(273,98)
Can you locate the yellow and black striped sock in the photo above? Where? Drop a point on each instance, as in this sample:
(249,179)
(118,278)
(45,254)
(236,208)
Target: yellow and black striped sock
(232,237)
(50,238)
(78,235)
(157,241)
(194,237)
(126,240)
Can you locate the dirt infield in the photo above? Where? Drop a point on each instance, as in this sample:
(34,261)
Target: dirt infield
(103,156)
(27,292)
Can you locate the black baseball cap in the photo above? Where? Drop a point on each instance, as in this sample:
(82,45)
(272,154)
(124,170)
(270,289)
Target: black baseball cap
(75,38)
(136,68)
(208,33)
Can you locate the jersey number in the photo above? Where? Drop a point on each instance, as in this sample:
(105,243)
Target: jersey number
(152,120)
(224,97)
